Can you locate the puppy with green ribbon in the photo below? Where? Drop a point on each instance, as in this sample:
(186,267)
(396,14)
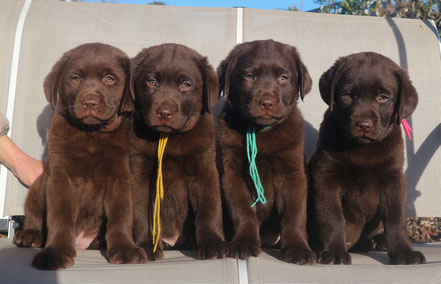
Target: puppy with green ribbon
(260,142)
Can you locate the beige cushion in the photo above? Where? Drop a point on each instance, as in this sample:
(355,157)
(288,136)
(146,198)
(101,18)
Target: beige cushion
(370,267)
(181,267)
(91,267)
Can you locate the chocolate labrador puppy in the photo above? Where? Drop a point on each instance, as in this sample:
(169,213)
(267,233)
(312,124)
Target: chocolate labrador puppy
(356,174)
(84,189)
(262,81)
(174,89)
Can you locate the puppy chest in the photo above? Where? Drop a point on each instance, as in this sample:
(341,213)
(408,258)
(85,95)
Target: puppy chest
(89,202)
(88,193)
(361,192)
(174,213)
(176,188)
(174,209)
(92,195)
(271,173)
(180,173)
(99,166)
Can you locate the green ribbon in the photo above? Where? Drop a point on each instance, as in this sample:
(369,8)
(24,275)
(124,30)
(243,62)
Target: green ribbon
(252,153)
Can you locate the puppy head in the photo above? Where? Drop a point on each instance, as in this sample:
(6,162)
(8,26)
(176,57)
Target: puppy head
(172,86)
(90,84)
(368,93)
(263,80)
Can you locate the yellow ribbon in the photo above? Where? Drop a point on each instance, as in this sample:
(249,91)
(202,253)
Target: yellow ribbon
(159,193)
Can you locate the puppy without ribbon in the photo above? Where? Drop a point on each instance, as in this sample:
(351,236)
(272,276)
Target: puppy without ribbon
(83,194)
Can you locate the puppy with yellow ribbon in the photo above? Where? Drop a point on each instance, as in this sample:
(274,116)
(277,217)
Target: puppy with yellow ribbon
(175,182)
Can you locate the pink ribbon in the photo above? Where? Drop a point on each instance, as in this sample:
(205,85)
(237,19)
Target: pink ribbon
(407,128)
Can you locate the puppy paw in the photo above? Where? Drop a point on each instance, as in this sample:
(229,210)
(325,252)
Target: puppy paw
(53,259)
(408,257)
(148,248)
(336,257)
(298,256)
(212,250)
(243,249)
(28,238)
(130,255)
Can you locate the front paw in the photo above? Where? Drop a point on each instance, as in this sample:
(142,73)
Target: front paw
(337,257)
(28,238)
(54,258)
(408,257)
(298,256)
(148,248)
(243,249)
(130,255)
(212,250)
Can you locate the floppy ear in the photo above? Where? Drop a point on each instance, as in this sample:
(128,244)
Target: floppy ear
(224,71)
(134,72)
(51,83)
(211,85)
(127,104)
(328,83)
(407,98)
(226,67)
(304,81)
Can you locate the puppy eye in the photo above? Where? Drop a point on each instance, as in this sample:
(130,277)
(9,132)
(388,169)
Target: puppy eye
(383,98)
(76,78)
(283,79)
(185,86)
(250,77)
(152,83)
(347,97)
(109,79)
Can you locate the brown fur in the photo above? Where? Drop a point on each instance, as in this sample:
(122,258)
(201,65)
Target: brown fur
(262,81)
(356,174)
(174,89)
(84,189)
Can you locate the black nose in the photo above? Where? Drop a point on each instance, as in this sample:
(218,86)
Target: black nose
(164,113)
(363,125)
(90,104)
(266,103)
